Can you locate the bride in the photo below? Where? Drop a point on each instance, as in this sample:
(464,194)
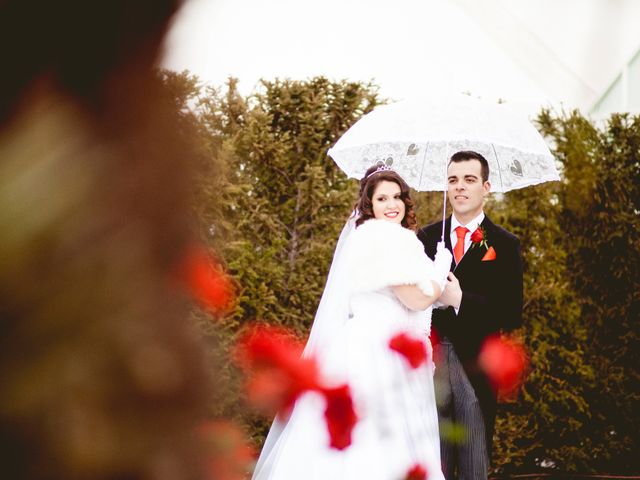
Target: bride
(381,283)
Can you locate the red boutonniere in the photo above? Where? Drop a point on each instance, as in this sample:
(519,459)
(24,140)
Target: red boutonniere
(479,239)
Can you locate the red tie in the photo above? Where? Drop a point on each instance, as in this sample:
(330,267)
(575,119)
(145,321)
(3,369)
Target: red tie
(458,250)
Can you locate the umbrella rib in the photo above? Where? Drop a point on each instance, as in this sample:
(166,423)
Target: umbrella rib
(424,160)
(495,154)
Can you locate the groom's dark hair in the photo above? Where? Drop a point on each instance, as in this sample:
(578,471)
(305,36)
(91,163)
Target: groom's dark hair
(466,155)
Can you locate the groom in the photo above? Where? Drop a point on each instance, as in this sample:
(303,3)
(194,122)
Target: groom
(483,295)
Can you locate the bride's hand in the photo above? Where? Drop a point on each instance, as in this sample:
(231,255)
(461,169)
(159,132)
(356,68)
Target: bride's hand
(442,264)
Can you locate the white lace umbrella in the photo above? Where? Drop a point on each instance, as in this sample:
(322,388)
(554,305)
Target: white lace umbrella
(417,138)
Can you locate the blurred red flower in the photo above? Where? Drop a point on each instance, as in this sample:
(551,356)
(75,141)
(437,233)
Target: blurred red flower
(340,416)
(267,390)
(504,360)
(417,472)
(413,349)
(206,280)
(277,373)
(434,338)
(228,455)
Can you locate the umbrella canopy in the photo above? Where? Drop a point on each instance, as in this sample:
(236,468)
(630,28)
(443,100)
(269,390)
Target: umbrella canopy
(417,138)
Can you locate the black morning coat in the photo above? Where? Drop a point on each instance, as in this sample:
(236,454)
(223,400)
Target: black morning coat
(491,300)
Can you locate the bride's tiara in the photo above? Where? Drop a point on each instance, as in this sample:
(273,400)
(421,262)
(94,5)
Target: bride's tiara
(381,168)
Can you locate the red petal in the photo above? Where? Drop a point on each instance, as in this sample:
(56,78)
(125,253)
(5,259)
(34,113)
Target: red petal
(417,472)
(340,416)
(413,349)
(477,235)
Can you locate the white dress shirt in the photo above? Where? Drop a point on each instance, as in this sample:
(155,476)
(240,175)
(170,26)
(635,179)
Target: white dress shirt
(471,226)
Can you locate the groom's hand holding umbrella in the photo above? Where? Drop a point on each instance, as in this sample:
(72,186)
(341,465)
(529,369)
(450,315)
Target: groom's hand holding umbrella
(452,294)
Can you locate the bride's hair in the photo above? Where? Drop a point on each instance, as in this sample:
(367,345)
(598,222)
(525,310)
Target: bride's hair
(372,177)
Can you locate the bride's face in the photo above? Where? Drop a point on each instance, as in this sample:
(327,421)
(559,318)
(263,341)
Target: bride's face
(386,202)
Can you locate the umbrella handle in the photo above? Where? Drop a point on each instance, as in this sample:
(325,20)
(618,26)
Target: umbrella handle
(444,213)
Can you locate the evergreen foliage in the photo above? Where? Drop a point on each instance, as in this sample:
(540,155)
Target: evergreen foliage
(600,215)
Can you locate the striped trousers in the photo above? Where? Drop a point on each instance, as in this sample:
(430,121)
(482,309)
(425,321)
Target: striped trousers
(463,450)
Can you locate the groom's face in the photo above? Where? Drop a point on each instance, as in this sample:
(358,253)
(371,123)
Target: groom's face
(466,190)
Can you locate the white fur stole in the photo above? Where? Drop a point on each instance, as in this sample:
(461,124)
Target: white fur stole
(382,254)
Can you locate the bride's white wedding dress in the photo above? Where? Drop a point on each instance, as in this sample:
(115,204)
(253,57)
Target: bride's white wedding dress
(398,423)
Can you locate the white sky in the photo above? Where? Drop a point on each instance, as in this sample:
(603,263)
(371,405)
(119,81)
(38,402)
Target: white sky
(528,52)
